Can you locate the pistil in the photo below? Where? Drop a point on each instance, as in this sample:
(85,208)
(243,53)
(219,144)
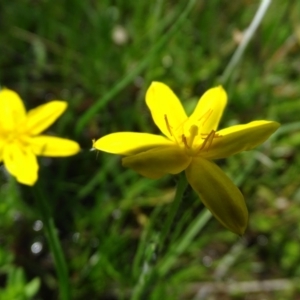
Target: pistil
(188,142)
(194,133)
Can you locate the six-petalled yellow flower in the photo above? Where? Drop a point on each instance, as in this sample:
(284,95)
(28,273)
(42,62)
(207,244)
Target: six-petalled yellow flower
(20,138)
(190,144)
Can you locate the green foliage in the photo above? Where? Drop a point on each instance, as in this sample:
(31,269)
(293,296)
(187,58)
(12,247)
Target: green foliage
(109,219)
(16,285)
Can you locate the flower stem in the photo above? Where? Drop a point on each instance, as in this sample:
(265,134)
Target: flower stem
(181,187)
(150,274)
(178,248)
(54,244)
(148,270)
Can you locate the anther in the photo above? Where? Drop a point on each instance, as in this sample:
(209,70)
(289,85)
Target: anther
(168,125)
(184,140)
(209,139)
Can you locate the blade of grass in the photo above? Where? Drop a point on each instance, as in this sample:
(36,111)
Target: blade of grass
(181,245)
(144,240)
(54,244)
(181,187)
(249,32)
(84,119)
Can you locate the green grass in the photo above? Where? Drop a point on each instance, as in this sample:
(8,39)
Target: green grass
(109,218)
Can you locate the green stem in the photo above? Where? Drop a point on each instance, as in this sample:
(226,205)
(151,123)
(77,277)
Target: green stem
(54,244)
(144,240)
(187,238)
(147,271)
(149,275)
(181,187)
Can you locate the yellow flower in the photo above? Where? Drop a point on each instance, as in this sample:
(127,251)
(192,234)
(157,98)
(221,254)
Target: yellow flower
(20,139)
(190,144)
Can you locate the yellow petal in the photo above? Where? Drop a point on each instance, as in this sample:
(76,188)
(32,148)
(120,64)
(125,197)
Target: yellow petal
(21,163)
(41,117)
(12,110)
(157,162)
(219,194)
(239,138)
(128,143)
(208,111)
(53,146)
(166,109)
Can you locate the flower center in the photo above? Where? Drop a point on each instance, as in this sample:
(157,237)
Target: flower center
(16,137)
(204,146)
(195,142)
(188,142)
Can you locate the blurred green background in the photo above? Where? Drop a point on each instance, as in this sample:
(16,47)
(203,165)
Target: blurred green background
(108,217)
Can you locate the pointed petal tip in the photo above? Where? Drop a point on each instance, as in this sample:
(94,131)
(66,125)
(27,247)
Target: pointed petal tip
(12,109)
(241,227)
(219,194)
(237,225)
(28,183)
(153,83)
(5,89)
(276,124)
(238,138)
(220,87)
(158,87)
(26,179)
(221,90)
(152,86)
(273,125)
(217,87)
(60,104)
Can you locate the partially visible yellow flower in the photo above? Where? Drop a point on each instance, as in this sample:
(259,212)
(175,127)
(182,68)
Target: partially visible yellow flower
(191,143)
(20,139)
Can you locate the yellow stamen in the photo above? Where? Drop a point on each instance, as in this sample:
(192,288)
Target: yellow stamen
(209,139)
(184,140)
(168,125)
